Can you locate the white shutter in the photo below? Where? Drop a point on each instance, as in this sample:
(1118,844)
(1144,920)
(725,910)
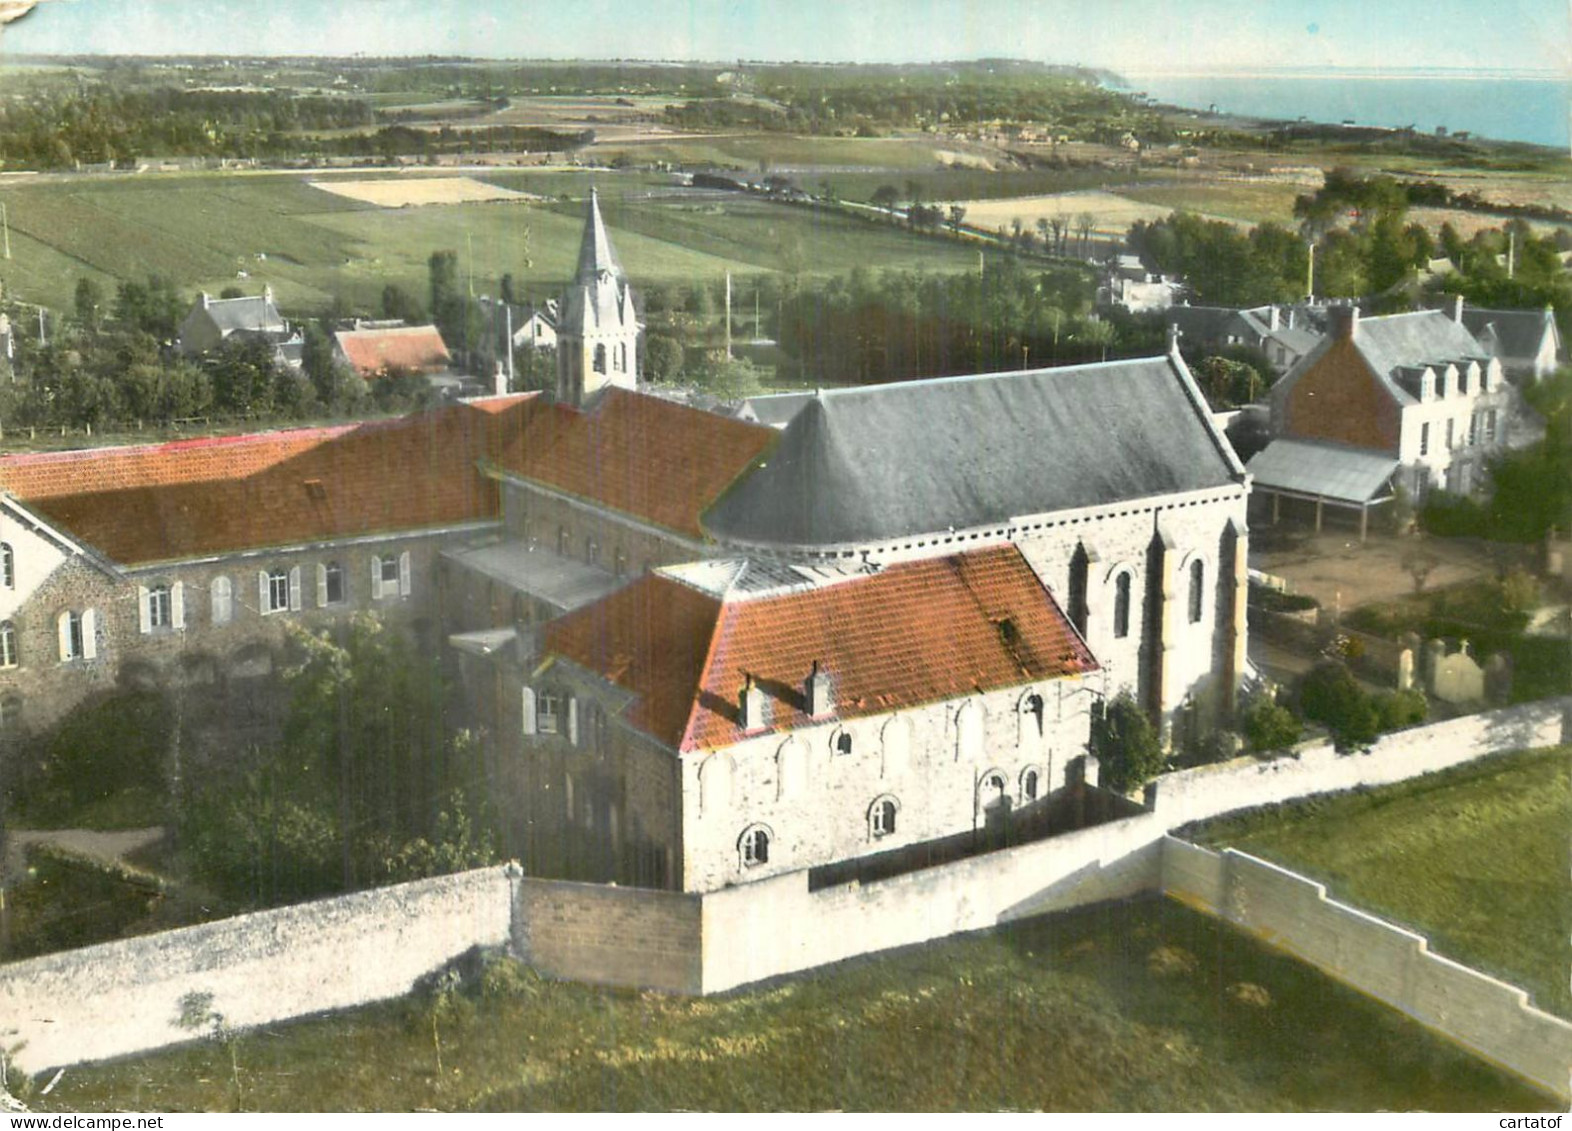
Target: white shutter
(403,574)
(222,597)
(89,634)
(177,604)
(376,577)
(321,586)
(527,701)
(294,589)
(63,624)
(572,709)
(262,594)
(144,609)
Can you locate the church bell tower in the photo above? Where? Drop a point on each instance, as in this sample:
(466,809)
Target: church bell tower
(597,325)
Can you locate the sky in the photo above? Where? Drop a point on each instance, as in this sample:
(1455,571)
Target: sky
(1133,36)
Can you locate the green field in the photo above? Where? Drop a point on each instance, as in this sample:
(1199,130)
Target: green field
(1136,1007)
(1477,858)
(1250,201)
(203,230)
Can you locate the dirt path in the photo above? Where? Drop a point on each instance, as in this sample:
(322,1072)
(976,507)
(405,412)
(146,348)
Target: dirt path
(110,847)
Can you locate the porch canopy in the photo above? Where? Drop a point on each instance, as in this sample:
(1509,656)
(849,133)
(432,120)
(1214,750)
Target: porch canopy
(1325,474)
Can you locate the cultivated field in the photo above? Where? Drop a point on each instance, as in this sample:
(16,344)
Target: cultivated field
(1112,213)
(1133,1007)
(1477,858)
(414,191)
(208,231)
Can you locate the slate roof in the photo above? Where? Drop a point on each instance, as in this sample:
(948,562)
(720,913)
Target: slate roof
(595,251)
(1518,334)
(914,633)
(891,461)
(195,498)
(1330,471)
(417,349)
(250,312)
(648,458)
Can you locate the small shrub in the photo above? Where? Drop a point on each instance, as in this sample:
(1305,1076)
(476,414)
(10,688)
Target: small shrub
(1268,727)
(1329,694)
(502,976)
(1453,516)
(1401,708)
(1275,601)
(1519,592)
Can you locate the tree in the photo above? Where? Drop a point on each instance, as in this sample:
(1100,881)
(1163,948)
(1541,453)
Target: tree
(957,217)
(89,300)
(397,303)
(1126,744)
(1330,695)
(885,197)
(662,358)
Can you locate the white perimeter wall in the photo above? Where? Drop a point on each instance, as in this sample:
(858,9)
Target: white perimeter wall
(1393,965)
(124,997)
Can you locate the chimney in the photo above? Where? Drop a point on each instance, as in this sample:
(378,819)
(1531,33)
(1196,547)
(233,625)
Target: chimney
(206,301)
(1291,313)
(1457,309)
(752,707)
(267,293)
(819,692)
(1343,320)
(1174,334)
(1273,317)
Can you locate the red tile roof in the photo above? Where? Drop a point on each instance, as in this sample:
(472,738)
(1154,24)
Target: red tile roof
(652,459)
(194,498)
(416,349)
(914,633)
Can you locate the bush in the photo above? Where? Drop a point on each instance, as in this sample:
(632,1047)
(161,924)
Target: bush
(1330,695)
(116,744)
(1401,709)
(1268,727)
(1126,745)
(1275,601)
(1453,516)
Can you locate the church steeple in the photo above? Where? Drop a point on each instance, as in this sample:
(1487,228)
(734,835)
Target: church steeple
(597,324)
(596,255)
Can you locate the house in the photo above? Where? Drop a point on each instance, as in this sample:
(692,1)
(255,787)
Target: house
(1285,334)
(213,321)
(375,351)
(179,565)
(1416,390)
(523,326)
(730,720)
(1527,343)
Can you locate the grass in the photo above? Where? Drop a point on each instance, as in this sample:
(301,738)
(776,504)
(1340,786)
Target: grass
(1135,1007)
(202,230)
(1476,857)
(1252,202)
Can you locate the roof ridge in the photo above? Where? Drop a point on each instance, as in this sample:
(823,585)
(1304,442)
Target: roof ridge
(997,374)
(685,740)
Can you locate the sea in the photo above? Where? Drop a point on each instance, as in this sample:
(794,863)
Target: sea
(1507,108)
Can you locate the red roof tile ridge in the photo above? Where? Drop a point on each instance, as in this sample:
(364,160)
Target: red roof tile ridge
(722,611)
(195,443)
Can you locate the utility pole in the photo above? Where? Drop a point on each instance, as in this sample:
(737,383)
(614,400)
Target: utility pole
(5,223)
(1310,277)
(1511,253)
(509,346)
(728,315)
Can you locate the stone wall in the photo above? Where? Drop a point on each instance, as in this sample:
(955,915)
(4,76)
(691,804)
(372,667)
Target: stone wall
(813,790)
(777,926)
(124,997)
(610,935)
(1393,965)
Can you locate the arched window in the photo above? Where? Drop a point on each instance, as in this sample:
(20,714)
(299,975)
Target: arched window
(843,742)
(1031,784)
(791,769)
(1197,585)
(222,594)
(969,732)
(1032,707)
(881,816)
(600,359)
(7,566)
(1121,614)
(9,656)
(754,846)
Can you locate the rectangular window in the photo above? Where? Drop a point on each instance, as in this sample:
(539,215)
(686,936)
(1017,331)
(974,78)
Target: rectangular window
(389,568)
(547,707)
(1473,429)
(332,584)
(1451,434)
(277,591)
(1424,439)
(72,639)
(1490,426)
(222,594)
(160,612)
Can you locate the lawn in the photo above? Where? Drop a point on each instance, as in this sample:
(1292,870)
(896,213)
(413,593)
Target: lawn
(1476,857)
(1254,202)
(1134,1007)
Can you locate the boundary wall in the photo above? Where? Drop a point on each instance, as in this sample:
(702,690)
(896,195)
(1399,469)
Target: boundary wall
(123,997)
(1393,965)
